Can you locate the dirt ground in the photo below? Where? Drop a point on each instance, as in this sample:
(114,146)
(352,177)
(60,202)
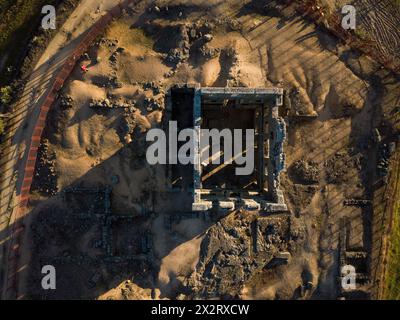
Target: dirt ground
(95,137)
(376,21)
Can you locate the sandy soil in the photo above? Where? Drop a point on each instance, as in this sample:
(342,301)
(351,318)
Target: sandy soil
(28,107)
(327,81)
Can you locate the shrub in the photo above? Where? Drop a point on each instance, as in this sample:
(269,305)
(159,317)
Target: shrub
(1,126)
(5,95)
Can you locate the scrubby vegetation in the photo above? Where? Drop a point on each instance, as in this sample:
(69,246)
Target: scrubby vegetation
(18,21)
(1,126)
(5,95)
(392,291)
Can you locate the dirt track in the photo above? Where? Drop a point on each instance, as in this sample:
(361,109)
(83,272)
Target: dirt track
(381,20)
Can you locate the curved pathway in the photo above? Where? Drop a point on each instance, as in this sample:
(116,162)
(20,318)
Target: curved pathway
(28,119)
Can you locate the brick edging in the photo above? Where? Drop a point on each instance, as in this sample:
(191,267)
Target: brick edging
(21,210)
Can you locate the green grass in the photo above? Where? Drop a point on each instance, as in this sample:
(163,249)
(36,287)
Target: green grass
(392,291)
